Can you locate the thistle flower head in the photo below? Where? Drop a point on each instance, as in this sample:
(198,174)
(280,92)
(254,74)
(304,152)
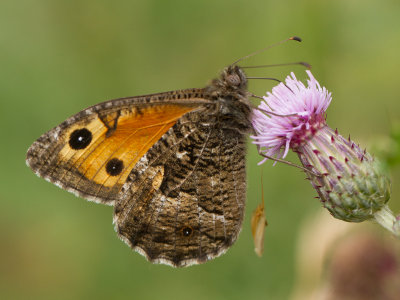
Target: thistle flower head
(298,111)
(349,182)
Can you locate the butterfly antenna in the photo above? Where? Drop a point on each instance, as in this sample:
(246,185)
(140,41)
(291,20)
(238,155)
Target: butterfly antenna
(267,78)
(301,63)
(293,38)
(270,78)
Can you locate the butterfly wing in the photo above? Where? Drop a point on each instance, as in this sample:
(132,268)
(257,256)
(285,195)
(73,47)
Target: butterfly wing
(183,203)
(92,153)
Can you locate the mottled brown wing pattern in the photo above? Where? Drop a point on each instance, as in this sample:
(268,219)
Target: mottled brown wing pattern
(195,212)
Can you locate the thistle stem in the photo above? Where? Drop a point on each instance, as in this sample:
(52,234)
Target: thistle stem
(386,219)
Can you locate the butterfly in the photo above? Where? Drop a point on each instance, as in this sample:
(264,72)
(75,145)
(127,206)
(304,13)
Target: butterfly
(172,164)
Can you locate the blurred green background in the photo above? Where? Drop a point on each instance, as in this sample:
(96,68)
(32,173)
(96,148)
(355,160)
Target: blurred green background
(58,57)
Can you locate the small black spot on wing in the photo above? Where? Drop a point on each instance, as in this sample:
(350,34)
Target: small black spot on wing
(187,231)
(114,167)
(80,139)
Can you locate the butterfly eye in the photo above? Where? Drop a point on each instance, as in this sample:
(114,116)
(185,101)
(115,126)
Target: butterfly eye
(233,79)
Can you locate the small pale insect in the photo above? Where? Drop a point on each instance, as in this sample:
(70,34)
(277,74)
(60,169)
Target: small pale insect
(258,223)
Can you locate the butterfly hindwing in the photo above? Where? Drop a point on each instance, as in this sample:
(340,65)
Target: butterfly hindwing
(195,212)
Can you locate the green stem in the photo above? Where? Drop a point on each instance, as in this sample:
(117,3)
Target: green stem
(386,219)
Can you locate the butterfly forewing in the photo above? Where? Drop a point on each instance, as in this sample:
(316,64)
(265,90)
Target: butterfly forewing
(93,152)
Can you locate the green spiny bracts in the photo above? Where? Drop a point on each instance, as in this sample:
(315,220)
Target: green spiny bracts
(350,183)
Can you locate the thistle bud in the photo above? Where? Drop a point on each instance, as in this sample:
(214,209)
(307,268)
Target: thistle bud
(350,183)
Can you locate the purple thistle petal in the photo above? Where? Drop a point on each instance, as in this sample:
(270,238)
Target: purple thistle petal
(297,109)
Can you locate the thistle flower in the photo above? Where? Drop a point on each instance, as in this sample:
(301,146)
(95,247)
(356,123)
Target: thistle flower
(350,183)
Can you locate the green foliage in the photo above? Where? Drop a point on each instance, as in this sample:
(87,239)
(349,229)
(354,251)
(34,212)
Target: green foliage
(389,148)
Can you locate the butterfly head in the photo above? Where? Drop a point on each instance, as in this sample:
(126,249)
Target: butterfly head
(233,78)
(232,81)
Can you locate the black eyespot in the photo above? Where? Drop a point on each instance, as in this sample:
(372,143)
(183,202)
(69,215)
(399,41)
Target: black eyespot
(114,167)
(80,139)
(187,231)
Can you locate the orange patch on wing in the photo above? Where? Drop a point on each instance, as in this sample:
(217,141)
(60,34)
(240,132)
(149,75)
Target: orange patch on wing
(136,131)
